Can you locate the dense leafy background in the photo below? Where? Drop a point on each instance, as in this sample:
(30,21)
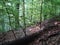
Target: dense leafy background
(16,14)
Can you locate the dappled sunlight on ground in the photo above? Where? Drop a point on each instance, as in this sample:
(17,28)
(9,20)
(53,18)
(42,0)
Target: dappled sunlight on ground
(33,29)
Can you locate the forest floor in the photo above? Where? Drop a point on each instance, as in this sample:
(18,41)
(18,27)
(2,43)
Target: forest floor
(54,40)
(15,34)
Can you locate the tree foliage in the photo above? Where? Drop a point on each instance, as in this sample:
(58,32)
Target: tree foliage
(15,14)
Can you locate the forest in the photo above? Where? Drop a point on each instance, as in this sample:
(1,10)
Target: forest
(22,20)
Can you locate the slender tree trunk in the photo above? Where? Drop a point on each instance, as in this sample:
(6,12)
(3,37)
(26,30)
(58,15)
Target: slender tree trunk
(31,12)
(55,8)
(17,18)
(10,23)
(24,29)
(41,12)
(14,34)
